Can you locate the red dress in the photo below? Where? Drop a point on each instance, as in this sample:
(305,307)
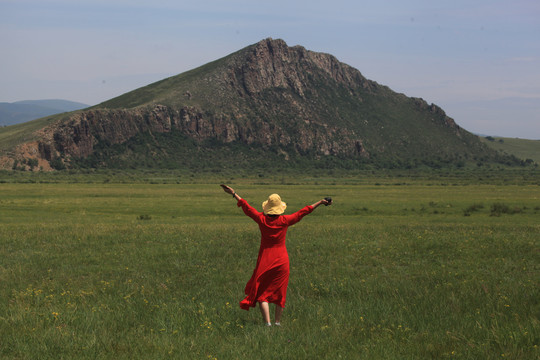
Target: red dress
(271,275)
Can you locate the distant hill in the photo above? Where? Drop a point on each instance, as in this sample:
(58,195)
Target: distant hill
(267,106)
(520,112)
(521,148)
(22,111)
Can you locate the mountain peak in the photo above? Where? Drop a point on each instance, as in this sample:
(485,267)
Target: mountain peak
(272,64)
(291,103)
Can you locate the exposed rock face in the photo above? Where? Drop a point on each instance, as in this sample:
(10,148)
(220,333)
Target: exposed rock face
(78,136)
(272,64)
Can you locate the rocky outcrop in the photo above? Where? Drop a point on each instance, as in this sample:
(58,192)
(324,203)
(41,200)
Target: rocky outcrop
(272,64)
(77,137)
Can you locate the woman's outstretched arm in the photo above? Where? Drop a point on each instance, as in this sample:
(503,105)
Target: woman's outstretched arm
(248,209)
(326,202)
(297,216)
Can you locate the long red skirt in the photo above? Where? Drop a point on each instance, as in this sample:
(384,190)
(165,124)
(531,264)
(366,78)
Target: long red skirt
(270,278)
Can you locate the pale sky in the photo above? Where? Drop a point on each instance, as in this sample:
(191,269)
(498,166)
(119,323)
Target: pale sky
(477,59)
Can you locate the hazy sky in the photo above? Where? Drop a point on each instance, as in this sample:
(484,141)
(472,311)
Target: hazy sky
(477,59)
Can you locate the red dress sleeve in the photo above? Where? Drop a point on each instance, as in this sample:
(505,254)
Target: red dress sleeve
(249,210)
(297,216)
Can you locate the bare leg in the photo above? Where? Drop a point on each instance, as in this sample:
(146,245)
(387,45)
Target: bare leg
(279,311)
(265,311)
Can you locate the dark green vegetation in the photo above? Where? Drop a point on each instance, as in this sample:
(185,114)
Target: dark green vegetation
(396,269)
(265,105)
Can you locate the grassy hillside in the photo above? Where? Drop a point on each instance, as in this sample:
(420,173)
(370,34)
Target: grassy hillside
(200,82)
(521,148)
(13,135)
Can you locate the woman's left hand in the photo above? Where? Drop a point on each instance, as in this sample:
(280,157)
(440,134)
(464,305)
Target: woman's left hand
(227,189)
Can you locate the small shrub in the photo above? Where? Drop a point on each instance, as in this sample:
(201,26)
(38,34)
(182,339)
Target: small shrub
(32,163)
(516,210)
(57,164)
(144,217)
(499,208)
(473,208)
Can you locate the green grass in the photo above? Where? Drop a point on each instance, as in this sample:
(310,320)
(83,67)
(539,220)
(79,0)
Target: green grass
(521,148)
(156,271)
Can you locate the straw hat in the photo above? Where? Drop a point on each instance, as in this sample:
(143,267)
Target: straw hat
(274,205)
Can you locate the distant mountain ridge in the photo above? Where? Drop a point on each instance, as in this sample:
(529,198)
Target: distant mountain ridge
(267,105)
(27,110)
(528,150)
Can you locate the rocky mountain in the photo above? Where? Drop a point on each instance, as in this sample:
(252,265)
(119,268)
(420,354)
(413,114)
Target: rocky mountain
(265,104)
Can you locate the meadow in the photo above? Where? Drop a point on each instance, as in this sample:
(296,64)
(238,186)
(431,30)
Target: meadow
(154,271)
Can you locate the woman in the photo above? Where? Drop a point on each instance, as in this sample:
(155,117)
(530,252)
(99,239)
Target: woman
(269,281)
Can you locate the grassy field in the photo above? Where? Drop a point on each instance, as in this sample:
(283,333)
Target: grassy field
(155,271)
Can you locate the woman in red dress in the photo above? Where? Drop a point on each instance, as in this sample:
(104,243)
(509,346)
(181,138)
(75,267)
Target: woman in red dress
(269,281)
